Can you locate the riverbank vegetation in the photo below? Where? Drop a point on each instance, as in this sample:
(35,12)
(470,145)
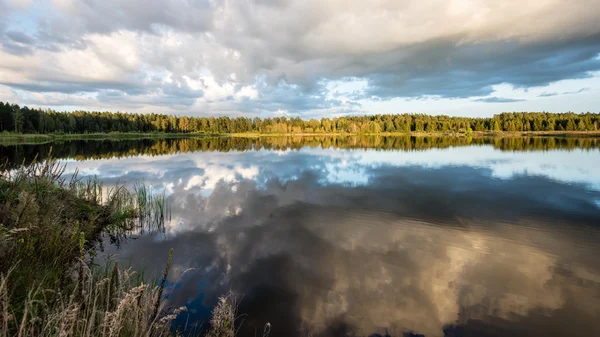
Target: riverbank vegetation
(8,138)
(50,281)
(24,120)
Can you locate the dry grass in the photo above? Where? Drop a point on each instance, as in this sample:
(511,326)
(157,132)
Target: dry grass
(107,303)
(118,304)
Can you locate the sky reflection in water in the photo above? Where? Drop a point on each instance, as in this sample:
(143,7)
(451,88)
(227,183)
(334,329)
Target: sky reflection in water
(463,241)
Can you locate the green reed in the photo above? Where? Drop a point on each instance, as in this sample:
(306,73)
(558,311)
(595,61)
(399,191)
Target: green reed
(49,283)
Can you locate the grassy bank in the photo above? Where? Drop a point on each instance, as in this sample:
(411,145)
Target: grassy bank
(50,284)
(15,138)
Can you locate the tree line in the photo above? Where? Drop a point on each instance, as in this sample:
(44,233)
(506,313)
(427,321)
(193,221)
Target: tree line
(16,155)
(14,118)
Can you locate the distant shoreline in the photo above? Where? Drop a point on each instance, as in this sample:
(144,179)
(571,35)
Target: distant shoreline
(425,134)
(14,139)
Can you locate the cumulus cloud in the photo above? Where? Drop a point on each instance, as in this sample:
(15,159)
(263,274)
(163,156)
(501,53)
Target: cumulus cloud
(280,55)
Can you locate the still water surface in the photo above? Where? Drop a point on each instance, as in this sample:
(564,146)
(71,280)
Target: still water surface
(363,236)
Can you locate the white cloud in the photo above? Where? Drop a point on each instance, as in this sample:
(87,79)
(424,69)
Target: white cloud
(213,174)
(7,94)
(247,92)
(214,57)
(19,4)
(215,91)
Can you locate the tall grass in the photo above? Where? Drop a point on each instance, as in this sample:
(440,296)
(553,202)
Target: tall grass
(152,207)
(107,302)
(49,284)
(43,212)
(99,304)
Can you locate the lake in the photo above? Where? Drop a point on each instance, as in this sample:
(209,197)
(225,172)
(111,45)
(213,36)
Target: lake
(361,236)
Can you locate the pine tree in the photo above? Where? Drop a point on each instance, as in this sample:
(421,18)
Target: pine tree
(18,118)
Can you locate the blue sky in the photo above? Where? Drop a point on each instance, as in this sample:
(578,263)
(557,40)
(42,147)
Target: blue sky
(301,58)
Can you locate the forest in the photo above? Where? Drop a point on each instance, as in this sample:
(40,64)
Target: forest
(24,120)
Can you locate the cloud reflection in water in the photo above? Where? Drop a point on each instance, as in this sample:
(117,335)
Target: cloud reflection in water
(442,242)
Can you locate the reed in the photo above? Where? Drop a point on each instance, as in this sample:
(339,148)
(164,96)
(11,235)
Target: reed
(99,304)
(45,213)
(49,283)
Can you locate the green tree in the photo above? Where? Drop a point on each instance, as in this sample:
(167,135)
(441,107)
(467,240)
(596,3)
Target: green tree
(389,126)
(496,126)
(18,118)
(6,117)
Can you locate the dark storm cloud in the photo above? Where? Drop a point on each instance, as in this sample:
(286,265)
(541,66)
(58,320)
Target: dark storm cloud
(337,260)
(445,66)
(447,69)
